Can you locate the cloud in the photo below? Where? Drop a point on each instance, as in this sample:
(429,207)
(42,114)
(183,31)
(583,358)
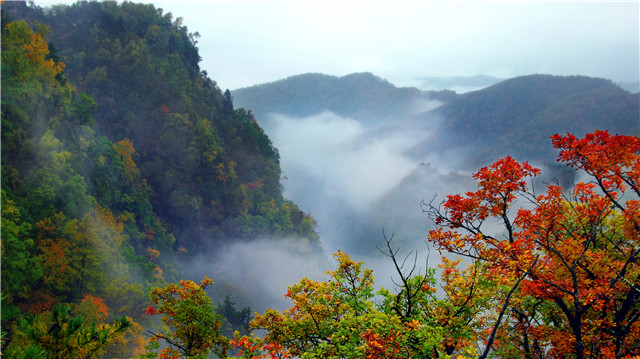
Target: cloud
(256,273)
(342,156)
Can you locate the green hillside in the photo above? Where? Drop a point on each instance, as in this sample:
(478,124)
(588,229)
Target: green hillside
(121,160)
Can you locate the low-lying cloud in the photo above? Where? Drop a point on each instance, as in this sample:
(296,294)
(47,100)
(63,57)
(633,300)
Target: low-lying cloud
(342,156)
(256,273)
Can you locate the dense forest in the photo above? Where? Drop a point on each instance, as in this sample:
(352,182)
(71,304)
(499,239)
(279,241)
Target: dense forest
(120,161)
(123,163)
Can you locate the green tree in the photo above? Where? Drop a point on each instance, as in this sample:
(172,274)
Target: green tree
(21,269)
(194,328)
(339,318)
(235,320)
(61,336)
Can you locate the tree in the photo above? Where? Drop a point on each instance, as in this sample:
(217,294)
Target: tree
(235,320)
(339,318)
(61,336)
(20,268)
(571,256)
(194,327)
(558,278)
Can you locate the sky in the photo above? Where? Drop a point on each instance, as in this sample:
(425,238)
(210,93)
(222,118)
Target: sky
(247,43)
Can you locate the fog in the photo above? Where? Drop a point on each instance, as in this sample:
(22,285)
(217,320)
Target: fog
(358,179)
(344,160)
(364,183)
(256,273)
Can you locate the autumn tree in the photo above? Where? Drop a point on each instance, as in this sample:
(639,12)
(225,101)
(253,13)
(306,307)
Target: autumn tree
(194,328)
(569,258)
(537,275)
(339,318)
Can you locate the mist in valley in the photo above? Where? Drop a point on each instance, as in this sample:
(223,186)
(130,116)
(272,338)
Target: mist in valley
(361,182)
(134,168)
(366,179)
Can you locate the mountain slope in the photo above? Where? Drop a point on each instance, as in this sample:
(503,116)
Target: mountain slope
(362,96)
(213,170)
(517,116)
(122,162)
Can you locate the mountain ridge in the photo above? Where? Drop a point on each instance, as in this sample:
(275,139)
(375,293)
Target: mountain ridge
(518,115)
(363,96)
(533,104)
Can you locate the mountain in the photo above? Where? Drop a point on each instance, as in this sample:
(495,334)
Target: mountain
(125,166)
(212,169)
(517,116)
(362,96)
(364,165)
(514,116)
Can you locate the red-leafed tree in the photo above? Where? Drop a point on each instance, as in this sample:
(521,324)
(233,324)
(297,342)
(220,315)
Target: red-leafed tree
(568,258)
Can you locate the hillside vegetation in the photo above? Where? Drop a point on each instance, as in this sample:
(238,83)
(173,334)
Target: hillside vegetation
(121,160)
(127,171)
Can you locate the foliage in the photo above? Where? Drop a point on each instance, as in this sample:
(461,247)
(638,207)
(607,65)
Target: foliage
(559,279)
(234,320)
(117,151)
(19,270)
(193,151)
(571,259)
(62,336)
(339,318)
(188,311)
(60,243)
(117,154)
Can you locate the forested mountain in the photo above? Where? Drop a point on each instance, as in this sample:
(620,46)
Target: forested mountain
(464,132)
(121,160)
(212,169)
(362,96)
(517,116)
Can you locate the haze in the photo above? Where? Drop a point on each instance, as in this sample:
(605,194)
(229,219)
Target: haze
(244,44)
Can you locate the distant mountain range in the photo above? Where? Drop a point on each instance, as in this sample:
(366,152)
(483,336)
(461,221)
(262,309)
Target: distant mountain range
(362,96)
(517,116)
(444,134)
(462,84)
(514,116)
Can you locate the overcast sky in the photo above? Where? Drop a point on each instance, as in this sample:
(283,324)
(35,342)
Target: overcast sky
(246,43)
